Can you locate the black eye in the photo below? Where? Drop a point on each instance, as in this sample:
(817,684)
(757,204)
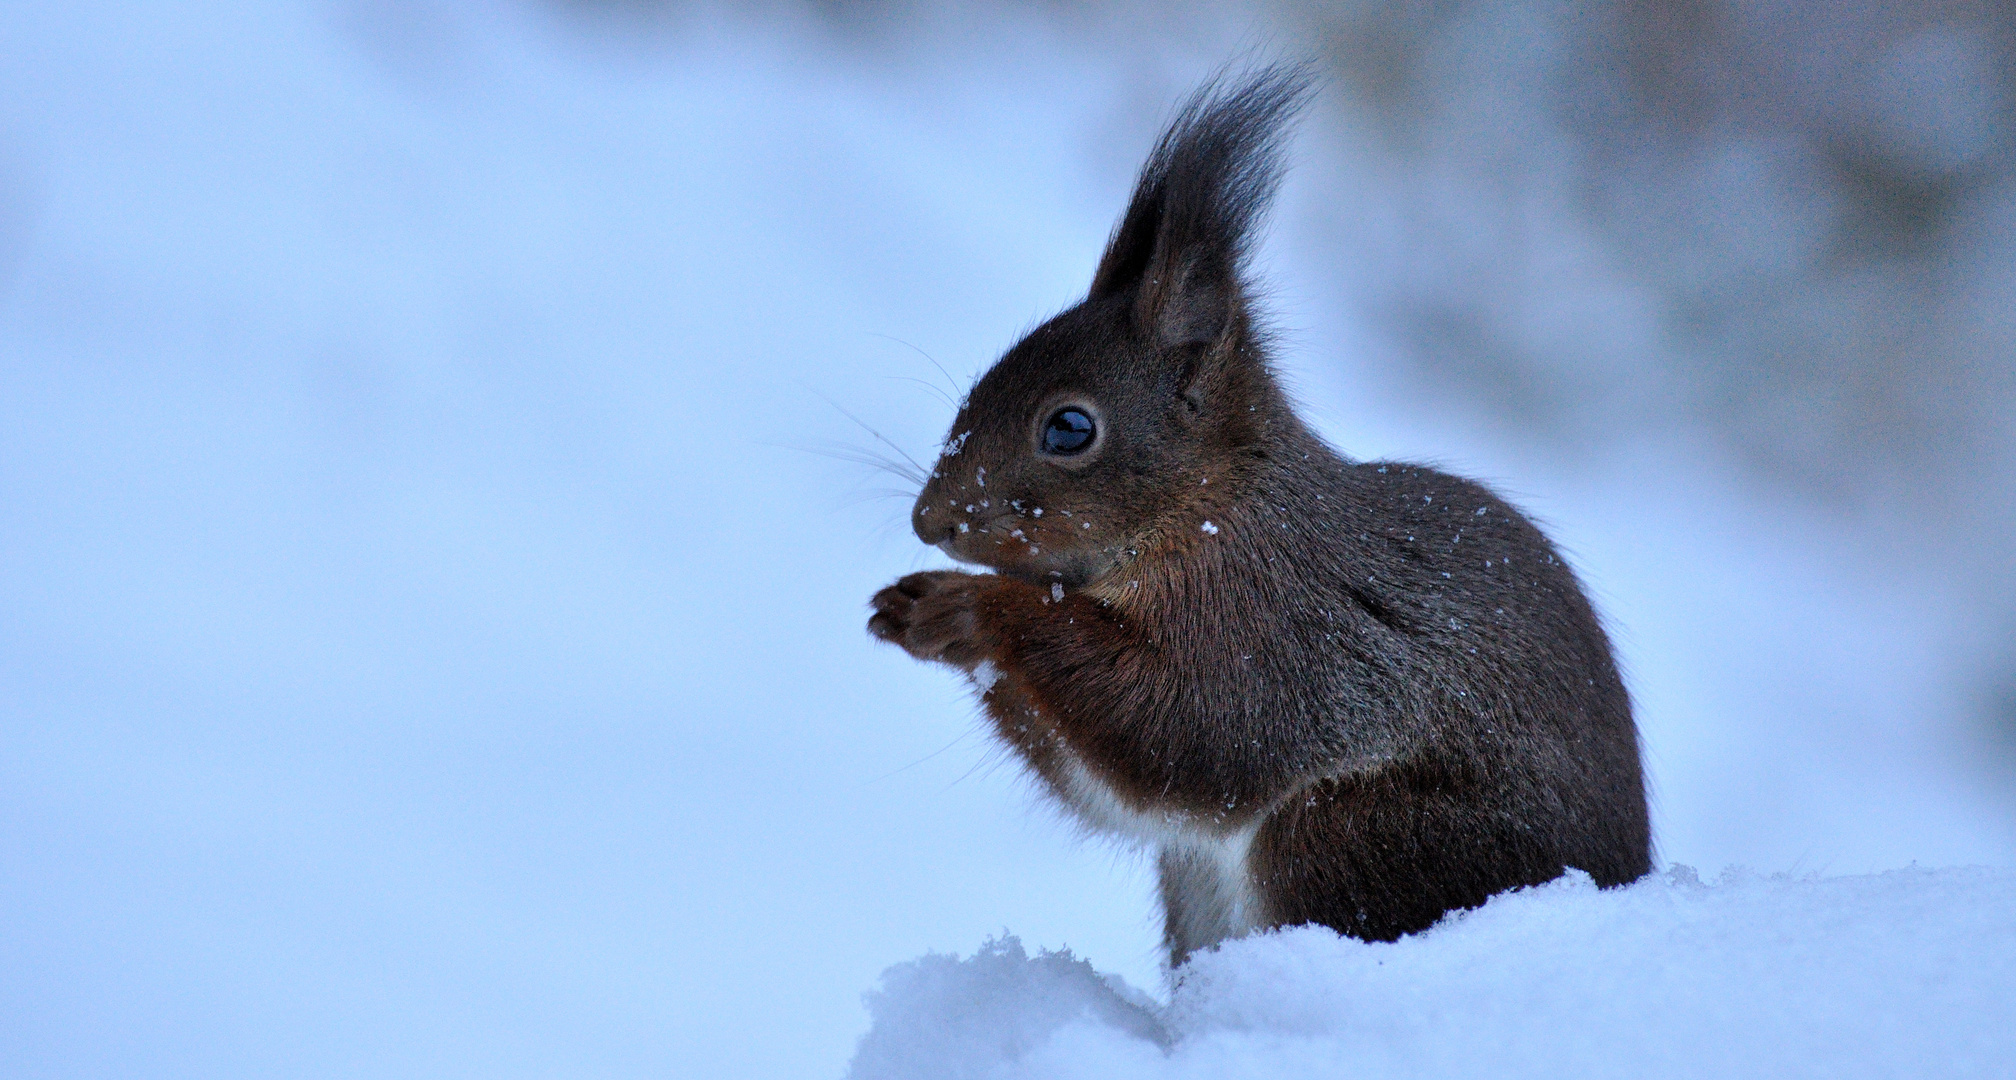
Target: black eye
(1069,431)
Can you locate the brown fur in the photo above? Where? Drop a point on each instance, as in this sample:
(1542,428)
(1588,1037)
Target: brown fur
(1381,679)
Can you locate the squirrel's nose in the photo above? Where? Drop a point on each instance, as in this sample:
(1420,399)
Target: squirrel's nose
(932,532)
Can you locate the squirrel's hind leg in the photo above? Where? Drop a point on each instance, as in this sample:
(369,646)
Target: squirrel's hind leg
(1207,897)
(1390,853)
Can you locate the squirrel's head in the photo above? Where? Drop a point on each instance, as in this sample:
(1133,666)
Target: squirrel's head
(1117,415)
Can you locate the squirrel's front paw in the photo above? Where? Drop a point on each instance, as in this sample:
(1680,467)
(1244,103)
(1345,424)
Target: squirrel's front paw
(934,616)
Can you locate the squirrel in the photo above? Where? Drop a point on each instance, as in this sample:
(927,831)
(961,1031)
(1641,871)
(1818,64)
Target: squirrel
(1358,694)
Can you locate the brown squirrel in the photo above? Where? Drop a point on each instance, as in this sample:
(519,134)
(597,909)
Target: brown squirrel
(1361,694)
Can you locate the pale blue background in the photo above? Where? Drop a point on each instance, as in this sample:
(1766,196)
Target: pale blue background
(429,646)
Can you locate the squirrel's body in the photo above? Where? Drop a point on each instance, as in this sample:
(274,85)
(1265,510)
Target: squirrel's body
(1356,694)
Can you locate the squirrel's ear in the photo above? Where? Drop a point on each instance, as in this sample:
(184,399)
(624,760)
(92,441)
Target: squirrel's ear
(1181,247)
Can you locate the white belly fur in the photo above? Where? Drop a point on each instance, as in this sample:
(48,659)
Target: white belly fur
(1218,890)
(1206,865)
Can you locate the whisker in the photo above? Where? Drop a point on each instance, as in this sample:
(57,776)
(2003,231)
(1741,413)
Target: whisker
(922,472)
(989,762)
(942,395)
(879,494)
(927,356)
(961,737)
(904,470)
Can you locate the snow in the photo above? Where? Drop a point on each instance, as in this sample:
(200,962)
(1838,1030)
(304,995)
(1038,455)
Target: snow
(1905,973)
(939,1016)
(985,675)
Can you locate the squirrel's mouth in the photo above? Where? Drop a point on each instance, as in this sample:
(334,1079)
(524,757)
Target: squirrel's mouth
(1071,567)
(976,547)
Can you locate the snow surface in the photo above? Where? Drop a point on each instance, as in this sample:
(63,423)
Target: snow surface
(1905,973)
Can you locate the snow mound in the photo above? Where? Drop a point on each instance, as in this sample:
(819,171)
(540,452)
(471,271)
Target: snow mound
(949,1019)
(1911,972)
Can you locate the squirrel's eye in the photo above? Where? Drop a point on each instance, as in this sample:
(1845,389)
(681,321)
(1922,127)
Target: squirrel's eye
(1069,431)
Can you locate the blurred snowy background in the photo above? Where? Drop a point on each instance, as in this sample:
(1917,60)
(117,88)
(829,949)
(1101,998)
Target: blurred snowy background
(429,646)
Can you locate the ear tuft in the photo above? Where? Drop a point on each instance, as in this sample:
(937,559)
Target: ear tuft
(1184,240)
